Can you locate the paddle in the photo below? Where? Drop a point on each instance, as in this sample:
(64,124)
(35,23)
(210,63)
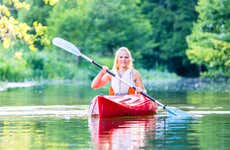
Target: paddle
(59,42)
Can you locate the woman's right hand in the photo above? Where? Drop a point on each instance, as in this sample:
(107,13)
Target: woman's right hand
(104,69)
(101,79)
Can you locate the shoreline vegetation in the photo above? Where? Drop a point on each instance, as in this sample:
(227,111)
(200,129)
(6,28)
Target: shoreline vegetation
(190,40)
(153,80)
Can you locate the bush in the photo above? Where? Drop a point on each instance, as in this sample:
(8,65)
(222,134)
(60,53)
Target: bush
(14,70)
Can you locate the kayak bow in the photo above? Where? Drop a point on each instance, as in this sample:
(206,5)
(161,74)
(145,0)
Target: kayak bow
(127,105)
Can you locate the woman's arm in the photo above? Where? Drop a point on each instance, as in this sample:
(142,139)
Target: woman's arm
(101,79)
(138,81)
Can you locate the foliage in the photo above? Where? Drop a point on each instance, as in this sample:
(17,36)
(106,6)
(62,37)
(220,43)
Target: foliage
(51,65)
(13,66)
(15,34)
(117,24)
(171,22)
(209,43)
(154,31)
(51,2)
(12,28)
(38,11)
(156,75)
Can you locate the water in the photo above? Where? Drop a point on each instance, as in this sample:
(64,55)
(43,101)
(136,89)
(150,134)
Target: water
(207,132)
(54,116)
(43,133)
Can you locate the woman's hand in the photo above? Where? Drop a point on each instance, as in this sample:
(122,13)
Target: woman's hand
(139,90)
(104,69)
(101,79)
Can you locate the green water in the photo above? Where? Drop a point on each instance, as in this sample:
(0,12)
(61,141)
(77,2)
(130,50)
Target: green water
(43,133)
(56,118)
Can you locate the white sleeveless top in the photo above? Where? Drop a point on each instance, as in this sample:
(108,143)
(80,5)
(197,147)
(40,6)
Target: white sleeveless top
(118,86)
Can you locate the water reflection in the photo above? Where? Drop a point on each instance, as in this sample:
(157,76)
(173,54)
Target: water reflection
(142,133)
(74,93)
(54,121)
(121,133)
(173,133)
(152,132)
(43,133)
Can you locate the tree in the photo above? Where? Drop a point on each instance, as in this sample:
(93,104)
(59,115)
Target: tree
(12,29)
(171,22)
(101,26)
(15,38)
(209,43)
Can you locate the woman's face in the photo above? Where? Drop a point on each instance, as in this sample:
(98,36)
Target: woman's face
(123,60)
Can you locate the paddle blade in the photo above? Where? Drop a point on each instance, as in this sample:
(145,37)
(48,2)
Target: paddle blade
(59,42)
(175,112)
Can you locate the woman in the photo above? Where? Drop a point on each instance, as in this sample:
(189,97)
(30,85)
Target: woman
(123,68)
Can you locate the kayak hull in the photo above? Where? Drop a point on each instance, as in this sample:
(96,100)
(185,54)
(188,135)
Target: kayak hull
(127,105)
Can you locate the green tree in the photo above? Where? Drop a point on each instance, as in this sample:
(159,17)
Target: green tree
(11,28)
(101,26)
(39,11)
(14,28)
(209,43)
(16,38)
(37,15)
(171,22)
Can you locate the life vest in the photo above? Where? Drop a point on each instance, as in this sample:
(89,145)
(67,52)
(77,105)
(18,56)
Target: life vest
(130,91)
(120,88)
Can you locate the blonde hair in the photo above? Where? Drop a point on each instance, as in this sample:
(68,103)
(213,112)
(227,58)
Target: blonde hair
(122,49)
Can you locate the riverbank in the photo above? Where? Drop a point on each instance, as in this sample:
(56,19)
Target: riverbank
(9,85)
(156,84)
(188,84)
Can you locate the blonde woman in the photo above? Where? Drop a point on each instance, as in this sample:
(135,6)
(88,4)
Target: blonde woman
(123,68)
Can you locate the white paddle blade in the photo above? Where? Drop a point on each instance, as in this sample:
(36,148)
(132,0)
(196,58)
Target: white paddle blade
(59,42)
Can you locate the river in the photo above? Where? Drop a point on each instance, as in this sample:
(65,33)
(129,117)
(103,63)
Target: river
(54,115)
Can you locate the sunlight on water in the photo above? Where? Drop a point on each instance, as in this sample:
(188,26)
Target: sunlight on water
(57,110)
(6,86)
(82,111)
(43,132)
(203,113)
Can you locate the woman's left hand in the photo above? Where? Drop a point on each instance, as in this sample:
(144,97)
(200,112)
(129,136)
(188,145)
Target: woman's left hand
(138,90)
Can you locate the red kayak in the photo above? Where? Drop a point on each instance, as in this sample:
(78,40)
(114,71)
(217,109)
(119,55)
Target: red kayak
(127,105)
